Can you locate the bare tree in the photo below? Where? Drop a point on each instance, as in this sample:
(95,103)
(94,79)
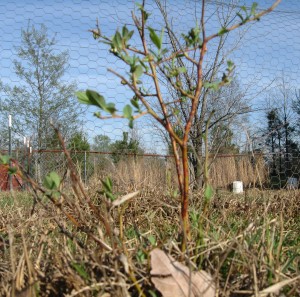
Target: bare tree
(220,106)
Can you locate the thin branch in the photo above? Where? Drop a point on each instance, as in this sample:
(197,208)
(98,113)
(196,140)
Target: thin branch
(254,18)
(139,95)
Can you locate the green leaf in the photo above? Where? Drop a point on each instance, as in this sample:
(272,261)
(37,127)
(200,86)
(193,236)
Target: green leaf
(128,59)
(241,17)
(208,193)
(124,31)
(154,38)
(110,196)
(130,124)
(12,170)
(164,51)
(4,159)
(110,108)
(135,103)
(181,69)
(138,71)
(253,8)
(193,37)
(119,40)
(180,55)
(153,294)
(140,256)
(107,188)
(143,11)
(226,79)
(230,65)
(161,37)
(223,31)
(93,98)
(126,35)
(83,98)
(127,112)
(129,35)
(96,99)
(176,111)
(97,114)
(144,65)
(152,239)
(80,269)
(52,181)
(55,178)
(215,85)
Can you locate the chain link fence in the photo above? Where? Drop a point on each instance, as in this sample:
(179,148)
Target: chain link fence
(149,171)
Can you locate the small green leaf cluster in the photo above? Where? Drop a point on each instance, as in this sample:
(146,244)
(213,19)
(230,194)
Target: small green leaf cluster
(208,193)
(119,44)
(119,41)
(93,98)
(142,254)
(157,40)
(136,67)
(135,103)
(4,159)
(12,170)
(174,71)
(193,37)
(226,78)
(51,183)
(90,97)
(145,14)
(107,189)
(247,14)
(127,113)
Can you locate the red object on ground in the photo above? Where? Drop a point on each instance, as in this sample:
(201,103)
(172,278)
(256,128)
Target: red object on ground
(17,181)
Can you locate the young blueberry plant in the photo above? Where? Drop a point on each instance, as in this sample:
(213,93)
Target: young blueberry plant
(151,65)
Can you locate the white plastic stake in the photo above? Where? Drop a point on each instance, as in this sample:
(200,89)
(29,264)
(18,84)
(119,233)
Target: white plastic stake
(9,121)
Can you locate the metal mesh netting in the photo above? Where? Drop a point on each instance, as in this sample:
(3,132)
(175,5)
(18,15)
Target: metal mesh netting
(266,55)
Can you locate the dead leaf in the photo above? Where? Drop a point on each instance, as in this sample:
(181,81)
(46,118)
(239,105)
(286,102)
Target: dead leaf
(125,198)
(174,279)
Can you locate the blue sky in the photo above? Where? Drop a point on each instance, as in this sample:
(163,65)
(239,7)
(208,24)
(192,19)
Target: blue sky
(269,48)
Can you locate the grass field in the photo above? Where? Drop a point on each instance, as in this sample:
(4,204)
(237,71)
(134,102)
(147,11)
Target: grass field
(247,242)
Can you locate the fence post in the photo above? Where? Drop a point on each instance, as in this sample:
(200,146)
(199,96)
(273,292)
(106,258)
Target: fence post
(85,173)
(9,151)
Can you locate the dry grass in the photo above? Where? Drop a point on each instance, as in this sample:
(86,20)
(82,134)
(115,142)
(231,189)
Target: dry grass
(158,173)
(251,171)
(140,173)
(247,242)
